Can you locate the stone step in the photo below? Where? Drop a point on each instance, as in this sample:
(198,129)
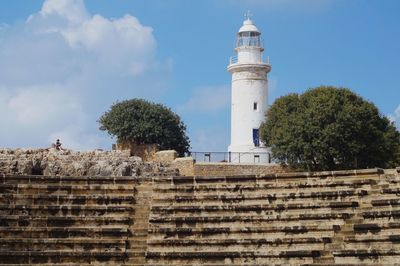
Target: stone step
(229,233)
(276,263)
(379,234)
(235,254)
(64,232)
(373,260)
(80,244)
(66,210)
(72,264)
(272,230)
(68,221)
(249,208)
(386,202)
(388,212)
(167,188)
(41,199)
(374,228)
(59,256)
(381,255)
(68,180)
(261,246)
(306,183)
(244,242)
(271,215)
(245,199)
(248,218)
(391,190)
(97,263)
(268,217)
(280,177)
(256,225)
(263,198)
(238,192)
(32,189)
(250,224)
(234,262)
(371,245)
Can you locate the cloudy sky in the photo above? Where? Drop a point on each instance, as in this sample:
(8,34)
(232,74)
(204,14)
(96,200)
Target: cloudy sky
(64,62)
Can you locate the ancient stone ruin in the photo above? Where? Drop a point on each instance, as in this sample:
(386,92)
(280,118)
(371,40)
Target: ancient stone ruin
(50,162)
(160,218)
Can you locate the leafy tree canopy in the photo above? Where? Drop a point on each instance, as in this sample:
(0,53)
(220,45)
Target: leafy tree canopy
(146,123)
(328,128)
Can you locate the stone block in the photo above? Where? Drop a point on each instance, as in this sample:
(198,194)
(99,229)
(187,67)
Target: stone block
(185,166)
(145,151)
(167,156)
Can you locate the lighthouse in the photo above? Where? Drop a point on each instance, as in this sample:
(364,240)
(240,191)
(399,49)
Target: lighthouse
(249,96)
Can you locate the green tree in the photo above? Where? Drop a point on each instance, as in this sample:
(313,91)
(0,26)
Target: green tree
(328,128)
(144,122)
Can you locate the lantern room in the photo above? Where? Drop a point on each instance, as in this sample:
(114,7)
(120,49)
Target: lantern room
(249,36)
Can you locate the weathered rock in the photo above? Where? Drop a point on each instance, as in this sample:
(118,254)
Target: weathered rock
(72,163)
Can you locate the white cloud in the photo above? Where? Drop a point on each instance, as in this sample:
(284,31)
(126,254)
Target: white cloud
(208,99)
(395,116)
(42,106)
(73,10)
(63,67)
(41,115)
(122,44)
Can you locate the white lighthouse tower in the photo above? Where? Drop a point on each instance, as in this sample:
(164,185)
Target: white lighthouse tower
(249,96)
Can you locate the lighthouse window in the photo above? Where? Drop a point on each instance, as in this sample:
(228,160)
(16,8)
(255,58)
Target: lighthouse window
(255,106)
(256,137)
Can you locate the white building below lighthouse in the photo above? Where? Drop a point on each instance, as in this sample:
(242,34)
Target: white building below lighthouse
(249,96)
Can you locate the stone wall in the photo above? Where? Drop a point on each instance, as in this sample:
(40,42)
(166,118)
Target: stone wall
(228,169)
(188,167)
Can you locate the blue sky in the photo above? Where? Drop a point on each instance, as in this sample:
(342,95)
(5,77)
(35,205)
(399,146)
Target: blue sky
(64,62)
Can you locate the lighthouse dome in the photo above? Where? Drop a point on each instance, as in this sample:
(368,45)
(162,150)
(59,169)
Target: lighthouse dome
(248,26)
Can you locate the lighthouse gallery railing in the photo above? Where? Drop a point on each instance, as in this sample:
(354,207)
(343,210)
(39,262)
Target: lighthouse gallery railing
(229,157)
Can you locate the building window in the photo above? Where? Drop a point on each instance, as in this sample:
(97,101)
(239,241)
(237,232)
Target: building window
(255,106)
(256,137)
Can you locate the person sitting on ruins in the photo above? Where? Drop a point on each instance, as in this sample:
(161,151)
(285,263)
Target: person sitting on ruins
(58,145)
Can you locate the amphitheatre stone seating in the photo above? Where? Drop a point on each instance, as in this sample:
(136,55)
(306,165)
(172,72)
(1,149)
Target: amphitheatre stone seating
(325,218)
(73,220)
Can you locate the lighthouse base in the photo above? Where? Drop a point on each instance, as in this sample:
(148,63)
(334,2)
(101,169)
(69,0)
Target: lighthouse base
(247,154)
